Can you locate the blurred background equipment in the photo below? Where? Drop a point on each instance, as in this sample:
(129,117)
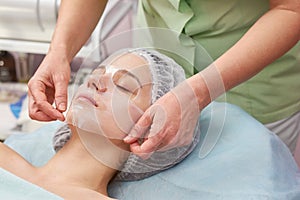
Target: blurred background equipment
(26,29)
(7,67)
(27,26)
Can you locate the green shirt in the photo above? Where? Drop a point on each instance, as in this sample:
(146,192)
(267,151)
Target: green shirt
(202,30)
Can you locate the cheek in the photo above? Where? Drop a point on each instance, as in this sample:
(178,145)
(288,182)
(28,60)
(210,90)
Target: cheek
(105,117)
(120,115)
(108,125)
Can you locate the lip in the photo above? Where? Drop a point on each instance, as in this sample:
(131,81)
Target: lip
(87,97)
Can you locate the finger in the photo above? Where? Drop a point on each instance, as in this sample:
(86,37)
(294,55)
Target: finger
(49,111)
(35,114)
(140,128)
(148,146)
(37,91)
(151,144)
(41,109)
(61,91)
(130,139)
(41,117)
(135,147)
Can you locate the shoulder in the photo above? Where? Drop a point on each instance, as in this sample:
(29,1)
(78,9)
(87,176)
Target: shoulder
(13,162)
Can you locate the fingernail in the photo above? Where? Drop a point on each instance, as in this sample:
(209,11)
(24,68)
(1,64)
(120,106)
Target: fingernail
(61,118)
(133,133)
(127,138)
(62,106)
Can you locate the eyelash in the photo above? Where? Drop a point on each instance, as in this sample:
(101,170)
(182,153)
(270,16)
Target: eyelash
(126,90)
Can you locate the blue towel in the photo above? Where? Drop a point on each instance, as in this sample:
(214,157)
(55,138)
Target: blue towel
(15,188)
(248,162)
(36,147)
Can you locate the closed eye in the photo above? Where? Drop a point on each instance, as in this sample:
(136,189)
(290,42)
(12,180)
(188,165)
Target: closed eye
(126,81)
(124,89)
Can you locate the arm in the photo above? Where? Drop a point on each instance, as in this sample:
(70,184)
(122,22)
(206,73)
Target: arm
(270,37)
(76,21)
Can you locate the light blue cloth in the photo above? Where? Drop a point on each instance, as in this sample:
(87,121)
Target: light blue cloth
(248,162)
(35,147)
(15,188)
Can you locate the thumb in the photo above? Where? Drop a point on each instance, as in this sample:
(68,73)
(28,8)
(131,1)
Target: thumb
(140,128)
(61,91)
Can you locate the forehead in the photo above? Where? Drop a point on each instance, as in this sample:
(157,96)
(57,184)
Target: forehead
(126,61)
(134,63)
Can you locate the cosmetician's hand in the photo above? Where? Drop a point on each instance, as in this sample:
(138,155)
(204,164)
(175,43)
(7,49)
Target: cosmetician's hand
(48,85)
(171,120)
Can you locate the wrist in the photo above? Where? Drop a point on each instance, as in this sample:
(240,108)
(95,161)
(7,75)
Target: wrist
(200,90)
(60,52)
(207,85)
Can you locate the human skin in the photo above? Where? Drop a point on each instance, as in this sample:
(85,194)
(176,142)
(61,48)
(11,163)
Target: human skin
(254,51)
(74,173)
(76,21)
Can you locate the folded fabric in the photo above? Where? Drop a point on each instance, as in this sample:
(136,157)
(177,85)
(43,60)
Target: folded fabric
(15,188)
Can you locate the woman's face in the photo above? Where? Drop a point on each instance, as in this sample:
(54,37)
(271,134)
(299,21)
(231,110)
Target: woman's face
(113,97)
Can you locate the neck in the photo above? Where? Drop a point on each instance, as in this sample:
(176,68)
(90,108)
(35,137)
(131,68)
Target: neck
(74,164)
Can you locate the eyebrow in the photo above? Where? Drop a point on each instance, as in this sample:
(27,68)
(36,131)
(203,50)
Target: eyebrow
(127,72)
(133,76)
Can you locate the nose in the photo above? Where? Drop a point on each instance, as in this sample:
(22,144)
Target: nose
(97,83)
